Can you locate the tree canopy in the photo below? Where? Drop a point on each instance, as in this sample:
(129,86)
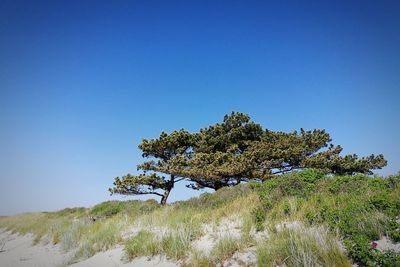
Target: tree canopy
(235,151)
(162,153)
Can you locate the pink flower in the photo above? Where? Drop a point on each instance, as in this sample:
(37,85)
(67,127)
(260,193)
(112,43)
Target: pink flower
(374,244)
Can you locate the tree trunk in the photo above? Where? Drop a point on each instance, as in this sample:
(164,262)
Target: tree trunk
(171,183)
(165,197)
(218,186)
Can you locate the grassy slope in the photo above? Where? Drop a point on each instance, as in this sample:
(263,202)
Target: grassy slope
(307,217)
(355,209)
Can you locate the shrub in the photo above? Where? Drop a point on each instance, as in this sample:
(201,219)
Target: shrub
(300,184)
(259,217)
(361,208)
(394,230)
(311,176)
(364,253)
(111,208)
(360,250)
(108,208)
(216,199)
(67,212)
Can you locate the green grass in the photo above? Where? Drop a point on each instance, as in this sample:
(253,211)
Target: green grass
(360,208)
(225,248)
(175,244)
(351,210)
(184,220)
(200,260)
(301,247)
(110,208)
(143,244)
(75,229)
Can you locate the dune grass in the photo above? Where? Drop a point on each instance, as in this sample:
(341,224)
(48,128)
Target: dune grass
(183,222)
(338,218)
(301,247)
(198,258)
(225,248)
(143,244)
(85,230)
(89,230)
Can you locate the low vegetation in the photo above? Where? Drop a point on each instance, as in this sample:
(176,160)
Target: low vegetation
(143,244)
(360,208)
(86,231)
(301,247)
(305,218)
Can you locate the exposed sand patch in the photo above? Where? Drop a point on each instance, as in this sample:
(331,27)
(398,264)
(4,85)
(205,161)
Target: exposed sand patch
(293,225)
(386,244)
(259,236)
(18,251)
(158,231)
(228,227)
(244,258)
(114,258)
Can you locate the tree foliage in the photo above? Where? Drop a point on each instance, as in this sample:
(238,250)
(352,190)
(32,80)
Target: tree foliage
(234,151)
(219,154)
(161,153)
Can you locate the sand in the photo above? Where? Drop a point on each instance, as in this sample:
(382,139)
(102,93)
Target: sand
(18,251)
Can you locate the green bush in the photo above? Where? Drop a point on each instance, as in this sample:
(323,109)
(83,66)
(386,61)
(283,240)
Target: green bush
(67,212)
(311,176)
(216,199)
(107,208)
(300,184)
(361,251)
(394,230)
(259,219)
(361,208)
(110,208)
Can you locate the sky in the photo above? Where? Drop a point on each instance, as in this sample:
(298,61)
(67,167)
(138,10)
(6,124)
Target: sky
(82,82)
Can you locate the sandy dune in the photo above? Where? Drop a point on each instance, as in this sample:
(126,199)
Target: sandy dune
(19,252)
(113,258)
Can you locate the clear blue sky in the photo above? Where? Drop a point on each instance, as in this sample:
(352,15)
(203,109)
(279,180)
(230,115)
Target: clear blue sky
(81,82)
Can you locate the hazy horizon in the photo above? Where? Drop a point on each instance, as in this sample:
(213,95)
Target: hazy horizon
(81,83)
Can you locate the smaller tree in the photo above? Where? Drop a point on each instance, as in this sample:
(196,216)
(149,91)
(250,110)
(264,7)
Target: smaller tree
(164,153)
(142,185)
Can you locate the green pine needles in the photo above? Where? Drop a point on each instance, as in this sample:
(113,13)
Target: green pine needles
(235,151)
